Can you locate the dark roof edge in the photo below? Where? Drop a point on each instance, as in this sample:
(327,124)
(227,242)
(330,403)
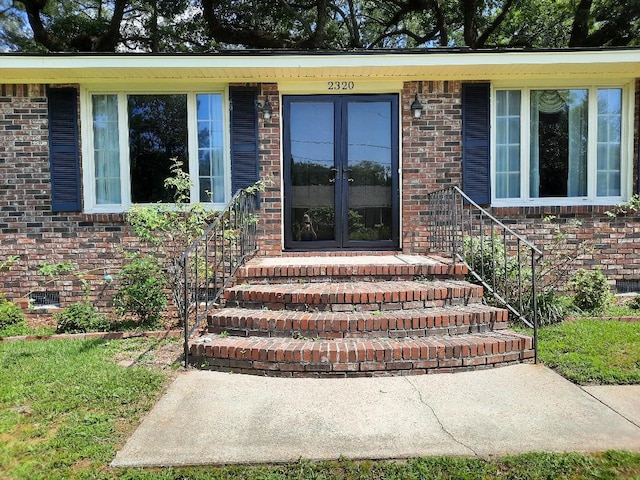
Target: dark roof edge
(373,52)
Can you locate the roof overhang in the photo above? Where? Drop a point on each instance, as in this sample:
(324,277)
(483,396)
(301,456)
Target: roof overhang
(270,66)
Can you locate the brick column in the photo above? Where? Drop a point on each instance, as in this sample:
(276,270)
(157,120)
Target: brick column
(270,213)
(431,153)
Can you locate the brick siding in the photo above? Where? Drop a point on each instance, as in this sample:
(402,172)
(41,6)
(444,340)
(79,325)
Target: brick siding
(28,227)
(431,159)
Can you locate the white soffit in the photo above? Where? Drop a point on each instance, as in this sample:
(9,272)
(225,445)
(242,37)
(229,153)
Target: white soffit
(17,68)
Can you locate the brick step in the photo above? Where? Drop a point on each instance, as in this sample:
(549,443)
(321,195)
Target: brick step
(360,357)
(453,320)
(353,296)
(348,268)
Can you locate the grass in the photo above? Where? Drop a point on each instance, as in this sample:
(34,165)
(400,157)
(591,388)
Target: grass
(610,465)
(622,306)
(621,310)
(23,328)
(66,406)
(590,351)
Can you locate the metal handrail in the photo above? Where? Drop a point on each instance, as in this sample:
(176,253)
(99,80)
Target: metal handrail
(494,254)
(206,268)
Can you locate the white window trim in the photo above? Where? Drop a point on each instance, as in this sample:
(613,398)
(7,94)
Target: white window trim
(86,129)
(626,148)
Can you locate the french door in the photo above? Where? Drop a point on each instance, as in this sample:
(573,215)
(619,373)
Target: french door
(341,171)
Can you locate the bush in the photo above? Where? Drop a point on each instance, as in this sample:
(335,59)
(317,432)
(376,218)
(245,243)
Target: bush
(142,291)
(635,303)
(81,318)
(591,291)
(552,308)
(488,258)
(10,313)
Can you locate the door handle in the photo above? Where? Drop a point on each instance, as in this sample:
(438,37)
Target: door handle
(346,172)
(334,171)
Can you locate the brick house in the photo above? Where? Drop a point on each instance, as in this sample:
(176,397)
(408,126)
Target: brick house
(351,144)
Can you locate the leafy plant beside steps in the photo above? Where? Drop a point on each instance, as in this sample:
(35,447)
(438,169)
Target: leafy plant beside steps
(591,292)
(172,229)
(556,274)
(142,291)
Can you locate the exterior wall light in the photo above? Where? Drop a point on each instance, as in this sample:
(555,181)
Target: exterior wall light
(266,109)
(416,107)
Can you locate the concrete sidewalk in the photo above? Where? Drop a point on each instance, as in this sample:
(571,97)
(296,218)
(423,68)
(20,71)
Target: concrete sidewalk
(221,418)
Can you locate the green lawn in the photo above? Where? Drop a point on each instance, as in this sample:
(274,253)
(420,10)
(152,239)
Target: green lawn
(23,329)
(66,406)
(591,351)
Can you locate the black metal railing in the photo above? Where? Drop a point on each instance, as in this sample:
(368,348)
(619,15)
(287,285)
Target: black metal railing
(497,257)
(210,263)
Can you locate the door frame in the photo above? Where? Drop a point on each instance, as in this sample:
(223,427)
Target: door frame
(341,241)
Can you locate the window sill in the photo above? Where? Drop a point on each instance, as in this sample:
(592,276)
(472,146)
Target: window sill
(541,211)
(103,217)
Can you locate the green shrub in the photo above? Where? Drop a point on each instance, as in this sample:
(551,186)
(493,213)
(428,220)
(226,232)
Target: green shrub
(552,307)
(81,318)
(635,303)
(142,291)
(591,292)
(488,258)
(511,273)
(10,313)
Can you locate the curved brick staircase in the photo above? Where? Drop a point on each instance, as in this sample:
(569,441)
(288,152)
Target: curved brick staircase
(355,316)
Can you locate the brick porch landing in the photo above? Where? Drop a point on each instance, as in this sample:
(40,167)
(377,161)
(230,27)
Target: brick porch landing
(356,315)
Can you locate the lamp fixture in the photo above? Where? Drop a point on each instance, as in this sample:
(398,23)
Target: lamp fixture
(266,109)
(416,107)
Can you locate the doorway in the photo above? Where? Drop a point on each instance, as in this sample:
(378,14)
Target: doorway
(341,171)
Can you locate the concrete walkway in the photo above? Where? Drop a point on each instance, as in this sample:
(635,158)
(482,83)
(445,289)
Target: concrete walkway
(221,418)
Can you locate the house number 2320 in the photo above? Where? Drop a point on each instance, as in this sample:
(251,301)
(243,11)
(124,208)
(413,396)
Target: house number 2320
(340,85)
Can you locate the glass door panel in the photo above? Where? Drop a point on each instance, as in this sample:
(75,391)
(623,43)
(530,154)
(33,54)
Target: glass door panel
(312,171)
(368,171)
(341,171)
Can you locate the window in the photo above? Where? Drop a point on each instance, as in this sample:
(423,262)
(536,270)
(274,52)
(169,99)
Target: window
(508,144)
(134,138)
(558,146)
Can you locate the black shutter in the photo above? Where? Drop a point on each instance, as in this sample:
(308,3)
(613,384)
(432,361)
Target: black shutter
(475,142)
(244,137)
(64,158)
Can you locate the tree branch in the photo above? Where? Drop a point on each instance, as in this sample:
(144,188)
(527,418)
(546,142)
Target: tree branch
(482,39)
(580,28)
(40,34)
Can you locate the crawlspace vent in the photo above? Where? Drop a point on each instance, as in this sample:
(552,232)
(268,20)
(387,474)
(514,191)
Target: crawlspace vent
(44,299)
(627,286)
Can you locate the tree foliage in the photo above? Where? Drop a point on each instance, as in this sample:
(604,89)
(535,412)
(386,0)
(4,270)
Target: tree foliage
(207,25)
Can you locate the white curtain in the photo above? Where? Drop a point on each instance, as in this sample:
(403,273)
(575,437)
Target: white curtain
(577,181)
(106,149)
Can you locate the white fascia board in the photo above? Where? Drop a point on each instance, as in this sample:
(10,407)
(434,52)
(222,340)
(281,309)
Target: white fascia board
(272,67)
